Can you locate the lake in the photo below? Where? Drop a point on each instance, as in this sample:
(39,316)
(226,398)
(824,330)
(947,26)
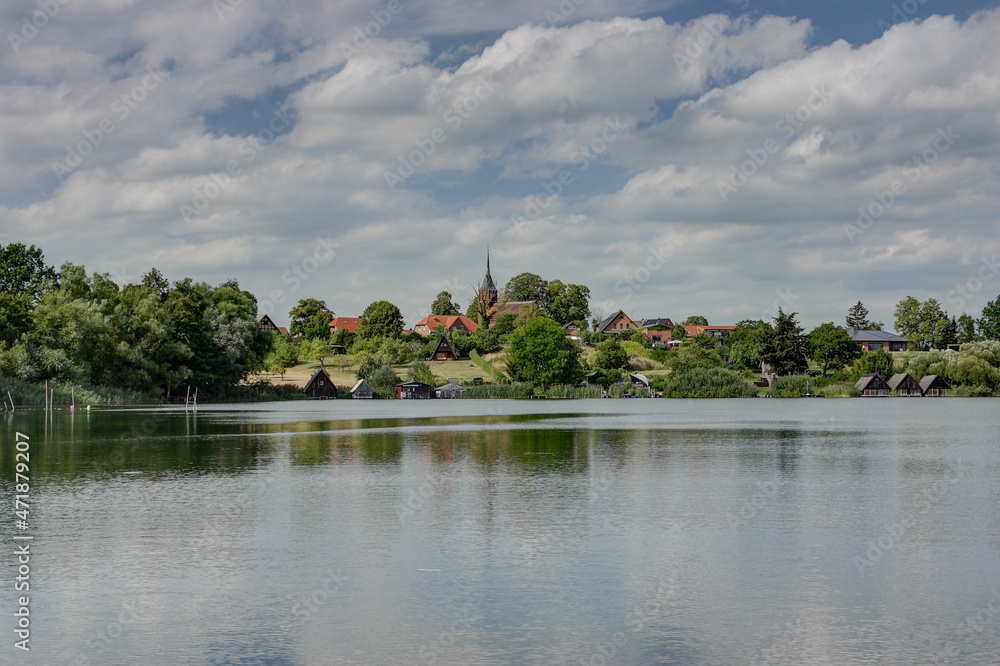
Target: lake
(831,531)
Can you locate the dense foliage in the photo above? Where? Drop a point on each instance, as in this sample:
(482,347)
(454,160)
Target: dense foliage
(151,337)
(541,353)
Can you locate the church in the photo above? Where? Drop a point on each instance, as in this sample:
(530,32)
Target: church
(490,303)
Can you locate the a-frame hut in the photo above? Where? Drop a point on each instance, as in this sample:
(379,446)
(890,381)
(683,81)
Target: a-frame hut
(903,384)
(872,385)
(934,386)
(362,391)
(320,387)
(444,351)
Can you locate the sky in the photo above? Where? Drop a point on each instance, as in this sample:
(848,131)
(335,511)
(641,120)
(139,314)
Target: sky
(676,157)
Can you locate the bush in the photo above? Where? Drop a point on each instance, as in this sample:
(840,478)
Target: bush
(879,361)
(708,383)
(789,386)
(383,377)
(840,390)
(567,391)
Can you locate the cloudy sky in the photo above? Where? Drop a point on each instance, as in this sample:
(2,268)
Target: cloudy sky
(677,157)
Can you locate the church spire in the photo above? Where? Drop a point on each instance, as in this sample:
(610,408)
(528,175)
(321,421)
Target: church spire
(488,284)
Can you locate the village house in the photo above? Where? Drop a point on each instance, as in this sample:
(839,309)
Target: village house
(717,332)
(450,323)
(266,324)
(444,351)
(875,340)
(572,331)
(345,324)
(615,324)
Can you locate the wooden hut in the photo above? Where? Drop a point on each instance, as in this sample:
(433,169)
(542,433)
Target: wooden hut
(934,385)
(413,391)
(902,384)
(450,390)
(362,391)
(444,351)
(872,385)
(320,387)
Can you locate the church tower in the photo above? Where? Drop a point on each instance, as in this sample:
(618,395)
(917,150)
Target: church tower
(487,289)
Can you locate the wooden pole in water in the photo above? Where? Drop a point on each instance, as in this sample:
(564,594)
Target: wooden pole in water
(46,395)
(196,398)
(11,401)
(187,397)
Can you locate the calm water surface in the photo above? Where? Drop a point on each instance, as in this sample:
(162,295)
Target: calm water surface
(511,532)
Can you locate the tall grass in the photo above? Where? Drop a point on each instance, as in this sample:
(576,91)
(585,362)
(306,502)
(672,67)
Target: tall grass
(520,390)
(31,393)
(790,386)
(570,391)
(840,390)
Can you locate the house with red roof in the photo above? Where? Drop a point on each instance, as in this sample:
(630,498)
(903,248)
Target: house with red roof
(450,323)
(344,324)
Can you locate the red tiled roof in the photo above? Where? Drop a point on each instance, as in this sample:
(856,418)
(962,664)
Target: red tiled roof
(345,324)
(451,323)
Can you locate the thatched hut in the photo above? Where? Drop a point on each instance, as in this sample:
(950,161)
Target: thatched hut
(902,384)
(934,386)
(872,385)
(320,387)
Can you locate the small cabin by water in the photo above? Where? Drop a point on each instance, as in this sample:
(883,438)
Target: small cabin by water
(450,390)
(413,391)
(320,387)
(902,384)
(362,391)
(934,386)
(872,385)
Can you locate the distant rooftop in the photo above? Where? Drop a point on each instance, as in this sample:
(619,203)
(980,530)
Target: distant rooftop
(878,336)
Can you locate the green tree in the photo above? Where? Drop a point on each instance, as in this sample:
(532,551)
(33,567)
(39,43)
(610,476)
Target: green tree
(610,354)
(966,329)
(380,319)
(857,316)
(989,321)
(786,349)
(747,343)
(950,336)
(924,323)
(23,271)
(679,333)
(830,345)
(540,353)
(526,287)
(879,361)
(421,372)
(695,320)
(443,305)
(154,280)
(310,317)
(567,302)
(15,316)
